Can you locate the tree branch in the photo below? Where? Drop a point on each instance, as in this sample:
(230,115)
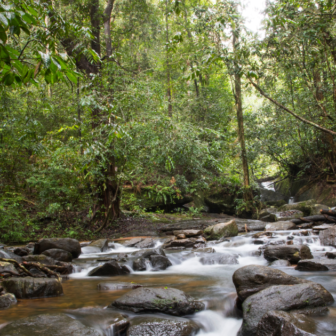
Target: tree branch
(291,112)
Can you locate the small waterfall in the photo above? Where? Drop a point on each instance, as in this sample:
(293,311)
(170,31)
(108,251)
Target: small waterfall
(291,200)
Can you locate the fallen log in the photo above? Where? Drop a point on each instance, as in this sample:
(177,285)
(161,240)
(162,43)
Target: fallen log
(16,263)
(43,268)
(315,218)
(328,212)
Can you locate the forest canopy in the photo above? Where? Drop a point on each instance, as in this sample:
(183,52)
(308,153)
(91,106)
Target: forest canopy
(114,106)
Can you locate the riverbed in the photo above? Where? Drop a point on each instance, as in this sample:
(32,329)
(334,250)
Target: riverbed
(211,284)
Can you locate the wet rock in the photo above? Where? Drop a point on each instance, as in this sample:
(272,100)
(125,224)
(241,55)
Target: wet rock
(146,243)
(7,300)
(256,253)
(290,238)
(204,250)
(110,286)
(32,288)
(154,326)
(316,265)
(111,268)
(323,227)
(164,300)
(37,273)
(158,251)
(133,242)
(159,262)
(218,231)
(190,242)
(258,242)
(100,245)
(305,252)
(288,215)
(48,324)
(281,263)
(43,259)
(22,251)
(276,242)
(280,226)
(268,215)
(221,259)
(6,266)
(290,242)
(188,233)
(328,237)
(58,254)
(67,268)
(252,279)
(181,236)
(285,298)
(280,323)
(285,252)
(83,244)
(331,255)
(67,244)
(139,264)
(107,321)
(262,234)
(10,255)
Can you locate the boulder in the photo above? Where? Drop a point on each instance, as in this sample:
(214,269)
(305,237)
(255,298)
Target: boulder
(6,266)
(288,215)
(158,251)
(133,242)
(309,208)
(146,243)
(268,215)
(280,323)
(305,252)
(285,252)
(111,268)
(316,265)
(280,226)
(331,255)
(220,259)
(181,236)
(251,279)
(7,300)
(280,263)
(112,286)
(48,324)
(21,251)
(67,244)
(58,254)
(32,288)
(328,237)
(43,259)
(285,298)
(139,264)
(189,242)
(154,326)
(100,245)
(323,227)
(221,230)
(163,300)
(188,233)
(262,234)
(159,262)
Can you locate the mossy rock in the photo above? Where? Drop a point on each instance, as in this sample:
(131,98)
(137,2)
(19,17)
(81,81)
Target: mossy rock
(221,230)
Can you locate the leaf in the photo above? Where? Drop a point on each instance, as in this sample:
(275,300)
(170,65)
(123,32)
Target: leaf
(3,19)
(8,79)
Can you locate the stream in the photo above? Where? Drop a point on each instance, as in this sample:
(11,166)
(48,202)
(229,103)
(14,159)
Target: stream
(211,284)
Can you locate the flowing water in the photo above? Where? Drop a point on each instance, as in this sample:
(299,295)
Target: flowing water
(210,283)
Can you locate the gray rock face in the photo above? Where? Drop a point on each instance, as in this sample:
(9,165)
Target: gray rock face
(43,259)
(188,233)
(279,323)
(48,324)
(100,245)
(164,300)
(58,254)
(280,226)
(328,237)
(159,262)
(139,264)
(285,252)
(7,300)
(252,279)
(111,268)
(220,259)
(316,265)
(32,288)
(10,255)
(285,298)
(158,251)
(154,326)
(67,244)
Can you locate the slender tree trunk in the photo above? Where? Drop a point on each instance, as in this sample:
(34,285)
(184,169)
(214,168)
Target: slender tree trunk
(107,27)
(240,118)
(169,91)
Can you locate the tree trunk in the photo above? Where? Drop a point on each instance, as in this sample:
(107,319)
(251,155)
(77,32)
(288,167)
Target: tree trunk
(107,27)
(240,119)
(169,93)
